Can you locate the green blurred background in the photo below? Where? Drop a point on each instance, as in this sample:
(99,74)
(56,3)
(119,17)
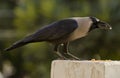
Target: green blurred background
(19,18)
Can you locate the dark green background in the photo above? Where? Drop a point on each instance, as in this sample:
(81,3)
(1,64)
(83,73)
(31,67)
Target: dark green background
(19,18)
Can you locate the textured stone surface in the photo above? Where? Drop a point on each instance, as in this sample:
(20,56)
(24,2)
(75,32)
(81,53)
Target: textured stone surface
(85,69)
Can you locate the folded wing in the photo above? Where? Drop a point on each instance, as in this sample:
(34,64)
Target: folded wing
(50,32)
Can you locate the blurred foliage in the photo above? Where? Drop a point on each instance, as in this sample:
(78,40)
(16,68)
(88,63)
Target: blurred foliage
(21,17)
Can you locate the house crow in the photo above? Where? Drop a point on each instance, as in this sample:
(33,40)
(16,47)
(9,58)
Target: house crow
(63,32)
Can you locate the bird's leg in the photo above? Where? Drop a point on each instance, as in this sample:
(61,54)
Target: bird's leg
(66,52)
(56,49)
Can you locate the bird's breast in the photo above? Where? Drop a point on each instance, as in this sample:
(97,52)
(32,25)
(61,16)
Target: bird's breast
(77,34)
(81,30)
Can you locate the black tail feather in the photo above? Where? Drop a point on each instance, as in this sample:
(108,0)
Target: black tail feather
(16,45)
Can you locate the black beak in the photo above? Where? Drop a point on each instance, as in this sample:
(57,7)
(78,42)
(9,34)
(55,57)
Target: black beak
(104,25)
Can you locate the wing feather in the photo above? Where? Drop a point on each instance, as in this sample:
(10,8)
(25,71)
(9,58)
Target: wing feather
(53,31)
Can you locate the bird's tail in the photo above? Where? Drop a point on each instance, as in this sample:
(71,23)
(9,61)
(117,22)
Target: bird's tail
(16,45)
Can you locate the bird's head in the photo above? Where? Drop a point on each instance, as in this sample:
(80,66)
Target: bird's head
(99,24)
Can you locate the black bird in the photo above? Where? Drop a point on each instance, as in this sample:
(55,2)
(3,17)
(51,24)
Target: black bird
(63,32)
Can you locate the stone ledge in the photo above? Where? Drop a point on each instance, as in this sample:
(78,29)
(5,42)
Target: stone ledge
(85,69)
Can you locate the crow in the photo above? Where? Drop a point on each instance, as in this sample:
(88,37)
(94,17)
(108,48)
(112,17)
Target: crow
(63,32)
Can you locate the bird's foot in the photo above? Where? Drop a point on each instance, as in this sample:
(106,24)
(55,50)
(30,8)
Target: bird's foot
(71,57)
(66,56)
(61,57)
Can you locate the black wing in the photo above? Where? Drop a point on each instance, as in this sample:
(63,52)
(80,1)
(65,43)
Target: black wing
(53,31)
